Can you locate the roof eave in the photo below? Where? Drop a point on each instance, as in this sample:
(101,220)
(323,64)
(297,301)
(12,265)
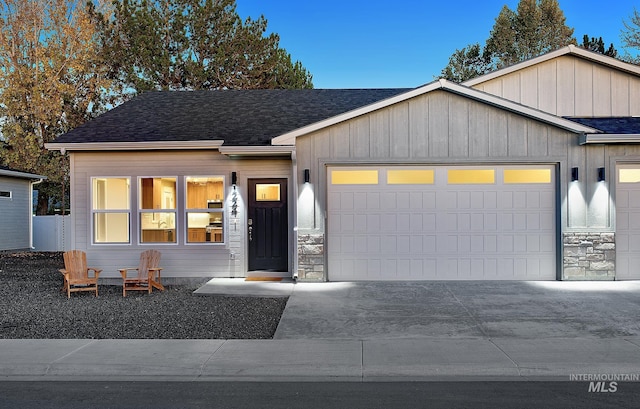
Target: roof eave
(134,146)
(22,175)
(260,151)
(587,139)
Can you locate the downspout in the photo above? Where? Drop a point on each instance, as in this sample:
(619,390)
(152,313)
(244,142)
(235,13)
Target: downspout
(32,184)
(294,167)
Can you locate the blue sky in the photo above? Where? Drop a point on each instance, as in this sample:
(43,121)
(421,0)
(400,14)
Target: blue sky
(404,43)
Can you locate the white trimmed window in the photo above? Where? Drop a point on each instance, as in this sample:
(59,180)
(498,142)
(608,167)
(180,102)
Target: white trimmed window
(111,209)
(5,194)
(205,208)
(157,209)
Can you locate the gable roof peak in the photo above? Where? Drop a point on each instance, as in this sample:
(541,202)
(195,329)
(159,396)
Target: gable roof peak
(570,49)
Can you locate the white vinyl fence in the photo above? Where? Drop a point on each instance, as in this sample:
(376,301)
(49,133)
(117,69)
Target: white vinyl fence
(52,233)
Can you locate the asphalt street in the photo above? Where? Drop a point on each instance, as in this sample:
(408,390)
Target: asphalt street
(323,395)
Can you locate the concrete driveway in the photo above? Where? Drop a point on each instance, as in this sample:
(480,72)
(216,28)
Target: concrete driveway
(445,309)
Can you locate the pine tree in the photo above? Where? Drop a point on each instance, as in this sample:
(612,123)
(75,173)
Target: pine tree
(535,28)
(194,44)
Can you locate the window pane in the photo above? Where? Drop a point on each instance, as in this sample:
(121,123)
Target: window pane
(354,177)
(205,227)
(527,176)
(205,192)
(470,176)
(111,227)
(267,192)
(158,227)
(110,193)
(158,193)
(5,194)
(409,177)
(629,175)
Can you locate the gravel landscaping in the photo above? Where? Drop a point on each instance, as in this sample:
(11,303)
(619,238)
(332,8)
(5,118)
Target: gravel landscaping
(32,305)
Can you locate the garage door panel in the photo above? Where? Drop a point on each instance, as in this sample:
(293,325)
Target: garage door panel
(429,200)
(373,201)
(373,222)
(389,201)
(429,244)
(347,222)
(441,231)
(533,221)
(477,222)
(416,245)
(402,200)
(389,223)
(520,200)
(346,201)
(519,222)
(447,222)
(404,222)
(463,201)
(506,243)
(634,220)
(477,244)
(634,200)
(416,222)
(463,222)
(373,244)
(389,244)
(490,244)
(505,222)
(490,222)
(464,244)
(429,222)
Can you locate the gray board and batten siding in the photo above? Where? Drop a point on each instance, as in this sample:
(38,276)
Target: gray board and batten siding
(179,260)
(569,86)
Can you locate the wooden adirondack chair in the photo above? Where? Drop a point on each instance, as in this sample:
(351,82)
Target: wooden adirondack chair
(76,273)
(148,274)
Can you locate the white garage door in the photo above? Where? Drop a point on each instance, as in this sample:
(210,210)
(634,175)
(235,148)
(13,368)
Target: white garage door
(628,222)
(441,223)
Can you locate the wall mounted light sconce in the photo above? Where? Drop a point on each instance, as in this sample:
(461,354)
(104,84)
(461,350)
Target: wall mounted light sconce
(307,175)
(601,175)
(574,174)
(234,179)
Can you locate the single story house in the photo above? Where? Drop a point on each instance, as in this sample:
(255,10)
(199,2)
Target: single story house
(16,209)
(528,173)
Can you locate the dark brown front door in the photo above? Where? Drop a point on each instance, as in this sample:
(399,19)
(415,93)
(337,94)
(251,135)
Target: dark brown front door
(267,225)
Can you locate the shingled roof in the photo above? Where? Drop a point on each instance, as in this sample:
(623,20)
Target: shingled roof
(611,125)
(239,117)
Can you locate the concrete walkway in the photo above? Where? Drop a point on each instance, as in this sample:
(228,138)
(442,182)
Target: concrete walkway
(378,332)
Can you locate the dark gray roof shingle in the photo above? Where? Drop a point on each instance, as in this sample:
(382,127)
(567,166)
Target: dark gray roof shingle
(628,125)
(239,117)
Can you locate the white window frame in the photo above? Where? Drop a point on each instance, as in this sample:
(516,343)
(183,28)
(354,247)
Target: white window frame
(140,211)
(222,210)
(9,197)
(93,212)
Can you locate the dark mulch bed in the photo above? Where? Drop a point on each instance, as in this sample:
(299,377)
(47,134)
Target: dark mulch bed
(32,305)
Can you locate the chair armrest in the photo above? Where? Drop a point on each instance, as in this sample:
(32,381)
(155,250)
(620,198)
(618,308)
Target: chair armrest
(123,271)
(96,271)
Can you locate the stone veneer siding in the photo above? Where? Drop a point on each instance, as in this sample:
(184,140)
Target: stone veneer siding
(311,257)
(589,256)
